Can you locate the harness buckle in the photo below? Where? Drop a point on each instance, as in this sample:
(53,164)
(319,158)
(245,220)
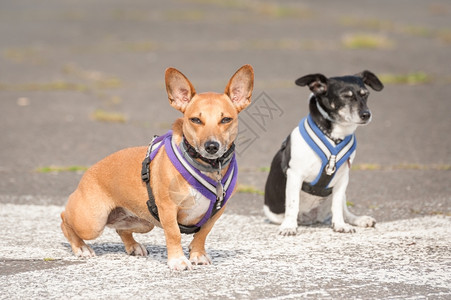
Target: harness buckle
(145,176)
(145,171)
(220,194)
(331,167)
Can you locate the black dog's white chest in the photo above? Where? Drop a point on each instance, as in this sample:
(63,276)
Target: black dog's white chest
(332,156)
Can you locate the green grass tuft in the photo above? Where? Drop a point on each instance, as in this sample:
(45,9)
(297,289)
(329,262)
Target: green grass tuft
(49,259)
(264,169)
(366,41)
(45,87)
(104,116)
(23,56)
(366,167)
(249,189)
(400,166)
(59,169)
(413,78)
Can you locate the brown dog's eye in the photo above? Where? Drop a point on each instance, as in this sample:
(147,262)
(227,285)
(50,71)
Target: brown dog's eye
(195,120)
(226,120)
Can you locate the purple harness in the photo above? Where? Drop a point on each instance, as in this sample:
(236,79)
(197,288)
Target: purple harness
(218,192)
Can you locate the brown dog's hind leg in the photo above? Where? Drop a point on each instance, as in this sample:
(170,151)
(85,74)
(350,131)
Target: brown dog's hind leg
(84,218)
(126,223)
(132,247)
(79,247)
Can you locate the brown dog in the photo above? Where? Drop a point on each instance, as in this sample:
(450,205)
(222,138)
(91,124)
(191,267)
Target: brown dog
(112,192)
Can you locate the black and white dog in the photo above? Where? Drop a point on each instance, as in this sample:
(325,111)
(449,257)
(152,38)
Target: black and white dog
(309,174)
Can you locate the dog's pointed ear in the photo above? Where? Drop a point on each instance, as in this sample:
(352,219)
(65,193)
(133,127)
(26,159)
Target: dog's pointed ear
(371,80)
(179,88)
(317,83)
(239,88)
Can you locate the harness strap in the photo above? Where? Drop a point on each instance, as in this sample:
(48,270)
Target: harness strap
(217,192)
(320,188)
(208,187)
(151,205)
(332,156)
(145,176)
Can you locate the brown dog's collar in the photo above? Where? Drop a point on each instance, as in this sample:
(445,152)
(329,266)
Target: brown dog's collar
(212,164)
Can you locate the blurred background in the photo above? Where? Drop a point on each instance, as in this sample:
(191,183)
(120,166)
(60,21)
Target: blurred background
(82,79)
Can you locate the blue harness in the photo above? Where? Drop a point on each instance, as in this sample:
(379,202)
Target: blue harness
(332,156)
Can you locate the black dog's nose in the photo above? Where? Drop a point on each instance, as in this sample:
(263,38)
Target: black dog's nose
(211,147)
(365,115)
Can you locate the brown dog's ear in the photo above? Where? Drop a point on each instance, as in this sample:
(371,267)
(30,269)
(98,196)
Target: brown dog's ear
(179,88)
(317,83)
(239,88)
(371,80)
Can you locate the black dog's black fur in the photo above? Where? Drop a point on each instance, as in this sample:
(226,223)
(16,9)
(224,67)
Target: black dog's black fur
(277,178)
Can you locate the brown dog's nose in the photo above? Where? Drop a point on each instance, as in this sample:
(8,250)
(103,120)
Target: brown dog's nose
(211,147)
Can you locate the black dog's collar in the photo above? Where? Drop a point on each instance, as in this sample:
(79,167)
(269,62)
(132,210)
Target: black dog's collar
(327,118)
(212,164)
(326,133)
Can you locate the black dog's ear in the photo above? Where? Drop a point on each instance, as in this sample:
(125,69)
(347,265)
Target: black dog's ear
(371,80)
(317,83)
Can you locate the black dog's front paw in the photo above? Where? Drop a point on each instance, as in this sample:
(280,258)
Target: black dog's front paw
(365,221)
(288,229)
(343,228)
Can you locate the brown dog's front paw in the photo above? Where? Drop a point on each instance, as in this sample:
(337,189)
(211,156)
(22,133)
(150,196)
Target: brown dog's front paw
(84,251)
(180,264)
(197,258)
(137,250)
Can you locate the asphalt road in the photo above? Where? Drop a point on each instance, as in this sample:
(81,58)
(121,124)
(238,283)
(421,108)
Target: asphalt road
(82,79)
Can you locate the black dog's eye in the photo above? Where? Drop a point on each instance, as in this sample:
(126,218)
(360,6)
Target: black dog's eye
(348,94)
(195,120)
(226,120)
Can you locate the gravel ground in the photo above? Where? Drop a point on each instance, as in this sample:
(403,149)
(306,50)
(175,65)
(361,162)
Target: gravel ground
(401,259)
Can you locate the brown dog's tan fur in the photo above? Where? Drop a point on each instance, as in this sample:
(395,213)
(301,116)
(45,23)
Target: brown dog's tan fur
(111,192)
